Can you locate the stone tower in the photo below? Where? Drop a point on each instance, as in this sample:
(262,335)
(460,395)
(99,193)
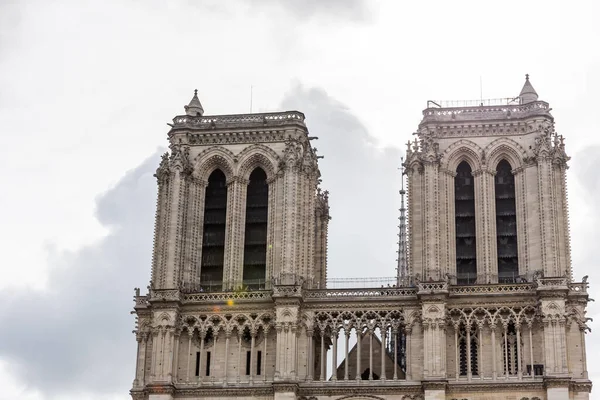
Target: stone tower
(486,307)
(488,213)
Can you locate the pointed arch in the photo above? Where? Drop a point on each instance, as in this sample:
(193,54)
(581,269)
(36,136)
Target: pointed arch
(507,149)
(254,156)
(214,158)
(462,150)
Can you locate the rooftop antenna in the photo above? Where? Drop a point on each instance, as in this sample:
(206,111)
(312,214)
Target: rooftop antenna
(481,89)
(402,272)
(250,99)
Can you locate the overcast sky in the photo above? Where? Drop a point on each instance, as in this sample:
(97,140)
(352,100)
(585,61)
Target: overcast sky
(86,89)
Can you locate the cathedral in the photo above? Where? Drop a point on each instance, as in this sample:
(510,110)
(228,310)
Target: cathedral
(484,304)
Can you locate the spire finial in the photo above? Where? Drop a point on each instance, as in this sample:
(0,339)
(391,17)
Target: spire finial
(196,91)
(526,77)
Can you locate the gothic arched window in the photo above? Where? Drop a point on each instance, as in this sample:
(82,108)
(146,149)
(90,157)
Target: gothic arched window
(506,224)
(464,208)
(213,236)
(255,238)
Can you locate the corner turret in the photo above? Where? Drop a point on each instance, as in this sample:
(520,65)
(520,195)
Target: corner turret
(194,109)
(528,93)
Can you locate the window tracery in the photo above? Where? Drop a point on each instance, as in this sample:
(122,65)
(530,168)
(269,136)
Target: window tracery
(506,223)
(255,237)
(213,237)
(464,207)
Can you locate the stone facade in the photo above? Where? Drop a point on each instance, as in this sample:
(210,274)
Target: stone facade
(486,309)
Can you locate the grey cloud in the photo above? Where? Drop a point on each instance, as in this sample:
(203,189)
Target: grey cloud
(586,165)
(363,181)
(77,336)
(585,180)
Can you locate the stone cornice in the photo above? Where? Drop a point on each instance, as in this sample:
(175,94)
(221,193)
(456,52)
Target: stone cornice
(454,387)
(217,391)
(581,386)
(435,385)
(360,389)
(279,387)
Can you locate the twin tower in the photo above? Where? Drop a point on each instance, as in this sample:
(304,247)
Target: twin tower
(486,306)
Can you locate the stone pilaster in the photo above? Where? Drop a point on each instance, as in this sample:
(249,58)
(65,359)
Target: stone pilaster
(485,226)
(195,222)
(140,366)
(415,219)
(447,224)
(522,209)
(290,210)
(547,215)
(288,299)
(433,296)
(163,206)
(561,223)
(234,233)
(552,293)
(431,220)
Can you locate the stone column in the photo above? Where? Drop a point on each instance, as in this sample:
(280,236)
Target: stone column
(226,358)
(408,330)
(310,364)
(189,355)
(175,356)
(334,338)
(239,369)
(253,340)
(347,338)
(293,350)
(530,325)
(202,336)
(358,350)
(494,365)
(395,333)
(383,354)
(519,365)
(323,359)
(456,350)
(469,373)
(278,356)
(370,354)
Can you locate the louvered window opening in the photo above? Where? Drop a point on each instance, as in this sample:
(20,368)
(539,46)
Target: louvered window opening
(506,224)
(213,236)
(464,206)
(255,237)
